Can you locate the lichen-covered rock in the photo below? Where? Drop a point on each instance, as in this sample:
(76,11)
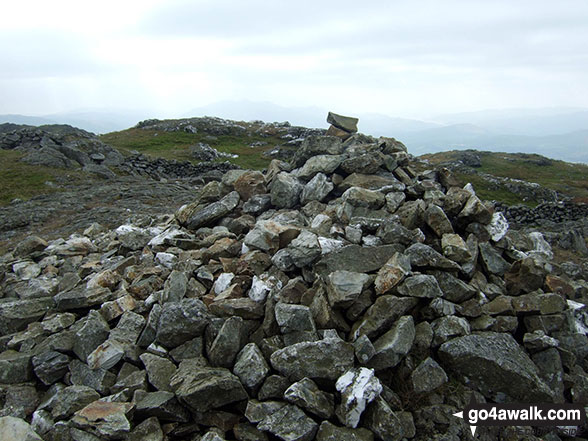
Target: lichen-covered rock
(251,367)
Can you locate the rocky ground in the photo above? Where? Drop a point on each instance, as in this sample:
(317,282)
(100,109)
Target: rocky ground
(340,296)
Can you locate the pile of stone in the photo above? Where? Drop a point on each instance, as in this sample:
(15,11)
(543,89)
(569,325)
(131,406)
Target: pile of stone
(341,296)
(62,146)
(158,168)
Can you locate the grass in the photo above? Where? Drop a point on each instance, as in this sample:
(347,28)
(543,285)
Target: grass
(24,181)
(567,178)
(175,145)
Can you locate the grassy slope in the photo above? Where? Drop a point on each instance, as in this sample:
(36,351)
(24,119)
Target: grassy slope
(175,145)
(564,177)
(20,180)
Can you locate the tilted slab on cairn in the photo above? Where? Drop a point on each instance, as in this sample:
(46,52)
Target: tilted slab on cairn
(348,295)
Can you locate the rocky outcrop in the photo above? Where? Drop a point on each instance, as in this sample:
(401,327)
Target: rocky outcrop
(373,311)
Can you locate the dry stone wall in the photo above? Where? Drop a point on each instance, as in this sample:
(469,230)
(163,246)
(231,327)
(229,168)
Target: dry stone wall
(341,296)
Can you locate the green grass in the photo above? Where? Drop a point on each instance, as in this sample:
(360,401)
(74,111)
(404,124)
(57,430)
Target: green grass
(24,181)
(567,178)
(175,145)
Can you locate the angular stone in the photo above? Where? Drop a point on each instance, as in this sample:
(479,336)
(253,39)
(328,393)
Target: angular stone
(294,318)
(306,394)
(175,287)
(454,289)
(243,307)
(324,359)
(115,308)
(100,380)
(194,217)
(361,197)
(148,430)
(455,248)
(428,376)
(475,211)
(330,432)
(71,399)
(259,410)
(344,287)
(50,366)
(285,190)
(371,182)
(317,145)
(250,183)
(150,330)
(15,367)
(317,189)
(181,321)
(227,343)
(106,355)
(356,258)
(15,315)
(492,260)
(93,332)
(108,420)
(247,432)
(270,236)
(305,249)
(394,200)
(496,365)
(364,349)
(383,422)
(16,429)
(436,218)
(257,204)
(412,214)
(159,371)
(423,256)
(394,344)
(551,371)
(274,386)
(368,163)
(325,164)
(163,405)
(394,232)
(381,315)
(524,276)
(420,285)
(289,424)
(130,383)
(251,367)
(358,387)
(205,388)
(445,328)
(81,298)
(30,245)
(346,123)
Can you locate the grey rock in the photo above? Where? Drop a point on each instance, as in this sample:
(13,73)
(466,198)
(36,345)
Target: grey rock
(412,214)
(455,248)
(394,200)
(15,367)
(100,380)
(383,422)
(274,386)
(445,328)
(285,190)
(50,366)
(368,163)
(181,321)
(105,419)
(428,376)
(17,429)
(305,249)
(317,145)
(358,387)
(436,218)
(364,349)
(381,315)
(257,204)
(330,432)
(250,183)
(93,332)
(423,256)
(196,217)
(106,355)
(420,285)
(242,307)
(307,395)
(371,182)
(256,410)
(454,289)
(492,260)
(496,365)
(289,424)
(270,236)
(251,367)
(475,211)
(394,232)
(551,371)
(325,164)
(394,344)
(130,383)
(175,287)
(191,349)
(227,343)
(347,123)
(344,287)
(326,359)
(159,371)
(163,405)
(294,318)
(15,315)
(81,298)
(149,331)
(356,258)
(247,432)
(362,197)
(205,388)
(147,430)
(71,399)
(317,189)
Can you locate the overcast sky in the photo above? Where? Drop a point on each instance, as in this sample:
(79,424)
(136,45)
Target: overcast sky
(411,58)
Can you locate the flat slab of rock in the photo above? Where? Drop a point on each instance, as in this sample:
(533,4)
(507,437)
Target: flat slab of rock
(107,420)
(347,123)
(289,424)
(356,258)
(194,217)
(326,359)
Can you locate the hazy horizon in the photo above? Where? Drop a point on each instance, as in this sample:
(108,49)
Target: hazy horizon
(403,59)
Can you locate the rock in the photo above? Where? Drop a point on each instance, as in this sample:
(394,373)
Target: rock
(428,376)
(383,422)
(245,308)
(205,388)
(50,366)
(259,410)
(495,365)
(304,249)
(317,189)
(492,260)
(92,333)
(381,315)
(423,256)
(326,359)
(71,399)
(356,259)
(324,164)
(371,182)
(524,276)
(436,218)
(448,327)
(249,184)
(498,226)
(163,405)
(15,367)
(181,321)
(317,145)
(346,123)
(358,387)
(148,430)
(30,245)
(81,298)
(246,432)
(361,197)
(106,355)
(227,343)
(274,386)
(344,287)
(330,432)
(100,380)
(108,420)
(421,285)
(306,394)
(270,236)
(194,217)
(16,429)
(455,248)
(285,190)
(251,367)
(394,344)
(289,424)
(159,371)
(368,163)
(475,211)
(294,318)
(257,204)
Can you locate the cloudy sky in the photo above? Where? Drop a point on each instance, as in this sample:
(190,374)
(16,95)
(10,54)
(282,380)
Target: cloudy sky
(402,58)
